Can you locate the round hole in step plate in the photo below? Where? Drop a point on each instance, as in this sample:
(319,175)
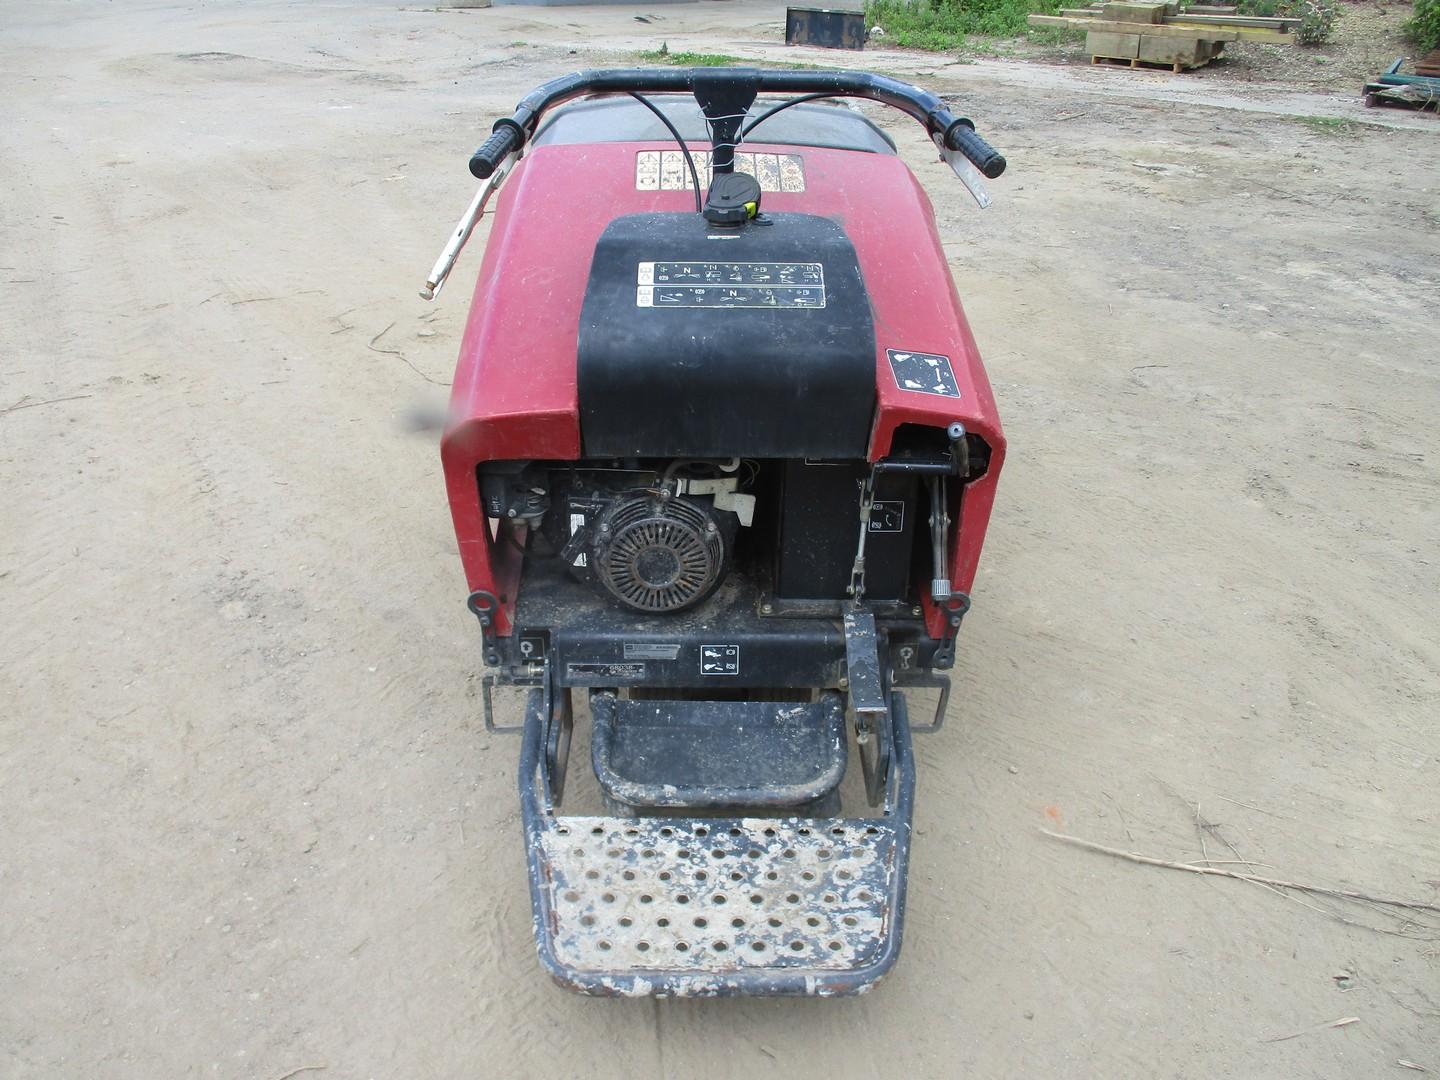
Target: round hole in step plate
(587,920)
(682,946)
(719,946)
(834,946)
(664,875)
(758,946)
(646,898)
(592,875)
(608,897)
(702,831)
(662,922)
(701,921)
(774,922)
(701,875)
(626,920)
(736,832)
(737,923)
(792,898)
(629,875)
(682,899)
(642,946)
(831,898)
(572,895)
(789,853)
(718,898)
(597,831)
(812,921)
(850,920)
(736,875)
(797,946)
(756,898)
(603,946)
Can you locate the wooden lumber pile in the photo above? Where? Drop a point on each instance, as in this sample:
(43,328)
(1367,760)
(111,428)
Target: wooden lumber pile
(1141,32)
(1429,64)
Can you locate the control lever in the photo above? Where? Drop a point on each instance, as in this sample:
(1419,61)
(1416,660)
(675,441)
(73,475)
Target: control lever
(446,262)
(968,174)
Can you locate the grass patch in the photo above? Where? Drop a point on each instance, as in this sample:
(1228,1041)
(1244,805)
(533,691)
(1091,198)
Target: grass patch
(663,55)
(1057,35)
(942,25)
(1329,125)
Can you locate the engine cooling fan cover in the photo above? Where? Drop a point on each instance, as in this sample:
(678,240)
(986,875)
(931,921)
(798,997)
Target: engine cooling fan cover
(659,555)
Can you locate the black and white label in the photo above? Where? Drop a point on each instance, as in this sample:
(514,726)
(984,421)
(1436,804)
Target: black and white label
(729,285)
(644,650)
(924,373)
(887,516)
(719,659)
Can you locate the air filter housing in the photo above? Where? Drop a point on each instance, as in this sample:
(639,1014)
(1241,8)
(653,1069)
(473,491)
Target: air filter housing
(658,554)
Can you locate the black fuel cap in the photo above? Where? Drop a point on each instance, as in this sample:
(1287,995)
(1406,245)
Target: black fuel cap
(733,199)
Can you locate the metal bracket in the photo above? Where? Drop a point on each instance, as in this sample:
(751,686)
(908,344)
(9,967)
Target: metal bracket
(930,682)
(954,610)
(487,686)
(483,606)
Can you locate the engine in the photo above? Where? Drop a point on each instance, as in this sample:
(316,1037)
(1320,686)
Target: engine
(658,553)
(657,540)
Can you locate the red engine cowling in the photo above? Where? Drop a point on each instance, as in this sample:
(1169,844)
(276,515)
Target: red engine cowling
(516,394)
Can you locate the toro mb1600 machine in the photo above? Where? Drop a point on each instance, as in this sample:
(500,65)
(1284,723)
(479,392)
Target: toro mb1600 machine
(721,457)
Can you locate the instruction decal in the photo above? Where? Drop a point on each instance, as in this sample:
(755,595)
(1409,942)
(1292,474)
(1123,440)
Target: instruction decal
(665,170)
(729,285)
(887,516)
(924,373)
(719,659)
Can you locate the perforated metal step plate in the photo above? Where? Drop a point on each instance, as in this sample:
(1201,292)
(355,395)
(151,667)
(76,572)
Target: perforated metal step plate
(704,907)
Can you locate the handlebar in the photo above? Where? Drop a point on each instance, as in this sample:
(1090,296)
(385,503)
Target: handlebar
(511,134)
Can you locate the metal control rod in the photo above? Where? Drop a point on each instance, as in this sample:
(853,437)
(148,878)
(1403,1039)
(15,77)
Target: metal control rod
(446,262)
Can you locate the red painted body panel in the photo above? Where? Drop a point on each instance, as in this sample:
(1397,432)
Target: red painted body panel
(514,392)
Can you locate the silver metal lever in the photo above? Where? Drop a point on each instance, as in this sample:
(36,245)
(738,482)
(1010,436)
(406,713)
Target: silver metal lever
(968,174)
(446,262)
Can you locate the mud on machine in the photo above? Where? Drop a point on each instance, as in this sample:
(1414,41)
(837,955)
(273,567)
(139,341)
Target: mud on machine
(721,457)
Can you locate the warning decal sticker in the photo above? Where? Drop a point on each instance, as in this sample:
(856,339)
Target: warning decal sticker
(720,659)
(924,373)
(729,284)
(665,170)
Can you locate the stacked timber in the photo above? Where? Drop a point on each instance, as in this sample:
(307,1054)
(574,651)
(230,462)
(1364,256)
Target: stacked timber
(1160,33)
(1429,64)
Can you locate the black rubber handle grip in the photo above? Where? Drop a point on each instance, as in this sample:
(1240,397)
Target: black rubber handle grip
(982,155)
(495,149)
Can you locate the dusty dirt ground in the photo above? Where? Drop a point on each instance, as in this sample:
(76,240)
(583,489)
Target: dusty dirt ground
(251,820)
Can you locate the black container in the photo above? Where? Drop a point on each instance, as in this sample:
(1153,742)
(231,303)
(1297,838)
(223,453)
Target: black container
(830,28)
